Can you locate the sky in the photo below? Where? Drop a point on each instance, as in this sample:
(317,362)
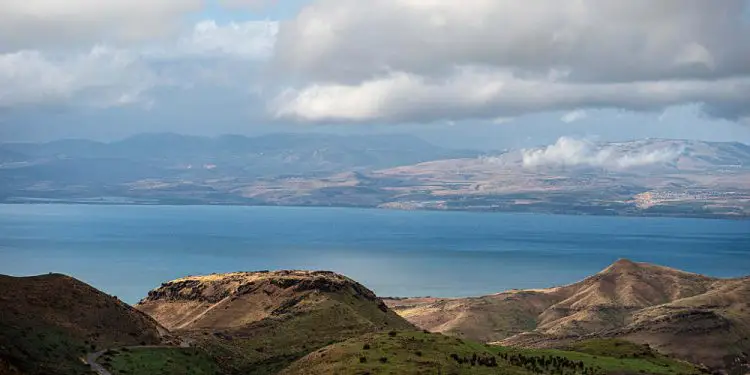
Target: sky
(486,74)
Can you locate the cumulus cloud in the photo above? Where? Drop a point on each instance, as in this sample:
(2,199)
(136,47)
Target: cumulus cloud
(574,116)
(208,54)
(101,76)
(593,40)
(251,40)
(480,93)
(32,24)
(573,152)
(252,4)
(390,59)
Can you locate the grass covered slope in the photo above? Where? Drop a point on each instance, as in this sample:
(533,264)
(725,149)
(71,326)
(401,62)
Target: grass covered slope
(49,322)
(155,361)
(260,322)
(426,353)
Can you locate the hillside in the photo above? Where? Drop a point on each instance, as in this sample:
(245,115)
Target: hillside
(694,317)
(259,322)
(48,323)
(425,353)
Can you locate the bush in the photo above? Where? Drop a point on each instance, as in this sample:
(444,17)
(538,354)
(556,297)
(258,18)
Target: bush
(366,347)
(392,333)
(383,360)
(362,359)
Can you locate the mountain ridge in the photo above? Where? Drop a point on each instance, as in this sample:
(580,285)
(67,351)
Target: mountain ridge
(645,303)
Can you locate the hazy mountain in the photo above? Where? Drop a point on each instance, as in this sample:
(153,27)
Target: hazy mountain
(573,176)
(241,156)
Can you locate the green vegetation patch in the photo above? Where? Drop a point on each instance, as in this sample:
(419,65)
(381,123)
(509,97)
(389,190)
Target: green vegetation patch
(428,353)
(42,350)
(606,356)
(159,361)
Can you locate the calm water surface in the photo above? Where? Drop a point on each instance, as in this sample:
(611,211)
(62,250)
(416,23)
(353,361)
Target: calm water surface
(128,250)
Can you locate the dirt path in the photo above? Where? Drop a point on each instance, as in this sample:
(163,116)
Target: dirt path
(201,315)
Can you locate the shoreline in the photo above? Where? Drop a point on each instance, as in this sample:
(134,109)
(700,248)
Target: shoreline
(421,209)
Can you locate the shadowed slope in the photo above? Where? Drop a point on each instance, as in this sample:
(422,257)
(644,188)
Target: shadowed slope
(48,323)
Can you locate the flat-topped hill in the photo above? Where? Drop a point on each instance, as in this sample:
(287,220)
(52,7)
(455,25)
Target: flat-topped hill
(264,320)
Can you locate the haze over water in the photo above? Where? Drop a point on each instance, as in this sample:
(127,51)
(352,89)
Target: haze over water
(128,250)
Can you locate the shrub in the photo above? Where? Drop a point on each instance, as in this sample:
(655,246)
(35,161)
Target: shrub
(362,359)
(383,359)
(366,347)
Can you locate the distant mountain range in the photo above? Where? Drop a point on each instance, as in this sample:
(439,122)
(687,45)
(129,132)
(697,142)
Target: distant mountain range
(574,176)
(626,319)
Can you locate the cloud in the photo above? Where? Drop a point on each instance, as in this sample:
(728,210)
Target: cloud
(478,93)
(573,152)
(33,24)
(251,40)
(251,4)
(574,116)
(392,59)
(103,76)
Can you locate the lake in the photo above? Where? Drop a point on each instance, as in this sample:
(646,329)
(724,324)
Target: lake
(128,250)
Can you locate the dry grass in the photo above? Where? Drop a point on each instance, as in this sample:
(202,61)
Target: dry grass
(695,317)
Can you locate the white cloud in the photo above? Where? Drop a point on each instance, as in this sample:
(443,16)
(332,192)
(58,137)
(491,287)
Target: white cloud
(573,152)
(574,116)
(209,54)
(488,94)
(389,59)
(101,77)
(32,24)
(252,40)
(252,4)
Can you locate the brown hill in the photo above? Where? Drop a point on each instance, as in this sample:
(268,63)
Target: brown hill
(48,323)
(695,317)
(260,322)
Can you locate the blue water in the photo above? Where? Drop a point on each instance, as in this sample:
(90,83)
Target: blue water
(128,250)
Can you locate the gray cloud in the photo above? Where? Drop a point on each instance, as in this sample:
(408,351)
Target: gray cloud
(107,76)
(445,60)
(32,24)
(483,94)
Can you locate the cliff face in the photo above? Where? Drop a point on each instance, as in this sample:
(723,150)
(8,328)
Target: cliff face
(692,316)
